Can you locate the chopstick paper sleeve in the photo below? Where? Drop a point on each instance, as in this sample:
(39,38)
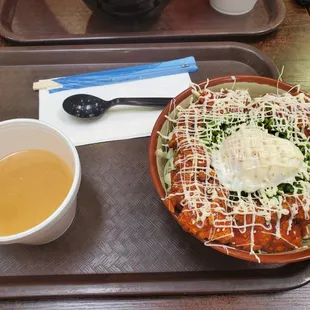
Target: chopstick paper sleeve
(184,65)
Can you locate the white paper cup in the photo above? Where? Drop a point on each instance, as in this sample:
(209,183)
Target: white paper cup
(24,134)
(233,7)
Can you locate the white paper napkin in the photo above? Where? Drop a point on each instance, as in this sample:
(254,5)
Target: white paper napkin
(119,122)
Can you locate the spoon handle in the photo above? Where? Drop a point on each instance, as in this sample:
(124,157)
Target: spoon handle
(141,101)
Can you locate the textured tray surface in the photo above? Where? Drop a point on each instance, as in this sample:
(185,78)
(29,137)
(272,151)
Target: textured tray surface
(55,21)
(123,240)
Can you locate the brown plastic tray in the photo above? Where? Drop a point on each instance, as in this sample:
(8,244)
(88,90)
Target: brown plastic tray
(123,241)
(69,21)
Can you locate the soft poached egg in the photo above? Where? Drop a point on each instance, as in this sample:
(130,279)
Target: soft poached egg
(252,159)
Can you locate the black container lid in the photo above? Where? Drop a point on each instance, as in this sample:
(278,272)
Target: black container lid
(128,8)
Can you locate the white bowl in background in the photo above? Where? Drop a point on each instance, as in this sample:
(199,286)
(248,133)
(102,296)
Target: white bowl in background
(25,134)
(233,7)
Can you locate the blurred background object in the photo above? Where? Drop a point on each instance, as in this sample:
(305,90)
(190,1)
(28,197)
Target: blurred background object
(233,7)
(305,3)
(128,8)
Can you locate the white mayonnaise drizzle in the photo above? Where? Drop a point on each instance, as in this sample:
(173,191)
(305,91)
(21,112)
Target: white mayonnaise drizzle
(195,128)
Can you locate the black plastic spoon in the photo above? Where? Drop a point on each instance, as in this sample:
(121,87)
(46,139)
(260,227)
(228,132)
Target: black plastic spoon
(88,106)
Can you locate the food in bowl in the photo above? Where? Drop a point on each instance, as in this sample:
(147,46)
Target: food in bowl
(236,172)
(33,185)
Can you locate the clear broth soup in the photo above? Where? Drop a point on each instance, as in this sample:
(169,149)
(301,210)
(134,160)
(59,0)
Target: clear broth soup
(33,184)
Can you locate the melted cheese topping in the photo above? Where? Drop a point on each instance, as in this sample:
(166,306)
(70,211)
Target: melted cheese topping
(252,159)
(203,128)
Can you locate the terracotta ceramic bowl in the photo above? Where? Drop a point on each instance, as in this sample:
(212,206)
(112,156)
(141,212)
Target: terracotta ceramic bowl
(256,85)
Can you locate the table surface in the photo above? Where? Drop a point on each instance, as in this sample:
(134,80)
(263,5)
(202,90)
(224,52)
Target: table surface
(289,47)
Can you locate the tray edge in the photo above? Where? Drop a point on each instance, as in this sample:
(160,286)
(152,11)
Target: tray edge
(17,39)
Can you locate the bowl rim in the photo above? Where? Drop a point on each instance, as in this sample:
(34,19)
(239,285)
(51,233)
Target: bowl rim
(274,258)
(73,189)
